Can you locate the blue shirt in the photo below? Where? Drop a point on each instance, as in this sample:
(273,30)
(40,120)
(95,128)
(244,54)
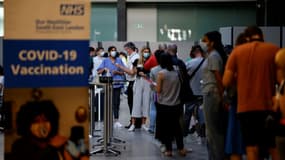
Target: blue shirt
(107,63)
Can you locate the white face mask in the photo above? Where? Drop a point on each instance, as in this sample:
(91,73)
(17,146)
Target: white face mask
(204,46)
(113,53)
(102,53)
(41,130)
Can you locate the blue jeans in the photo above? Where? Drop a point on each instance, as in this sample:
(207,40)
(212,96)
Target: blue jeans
(152,114)
(191,108)
(214,115)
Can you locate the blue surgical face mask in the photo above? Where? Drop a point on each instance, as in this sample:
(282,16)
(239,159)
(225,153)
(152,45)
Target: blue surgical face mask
(204,46)
(113,53)
(146,55)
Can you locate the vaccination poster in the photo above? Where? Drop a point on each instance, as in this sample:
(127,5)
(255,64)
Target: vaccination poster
(45,50)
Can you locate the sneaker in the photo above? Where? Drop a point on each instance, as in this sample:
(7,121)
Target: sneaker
(162,148)
(192,130)
(144,127)
(132,128)
(125,95)
(150,131)
(118,125)
(199,140)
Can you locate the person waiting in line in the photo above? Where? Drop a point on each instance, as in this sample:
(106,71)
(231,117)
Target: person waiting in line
(124,57)
(142,91)
(234,146)
(153,108)
(130,72)
(97,60)
(153,75)
(279,106)
(179,67)
(212,88)
(252,66)
(194,64)
(92,54)
(168,105)
(152,62)
(109,65)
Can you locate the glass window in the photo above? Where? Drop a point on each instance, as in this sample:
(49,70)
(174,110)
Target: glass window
(190,22)
(103,22)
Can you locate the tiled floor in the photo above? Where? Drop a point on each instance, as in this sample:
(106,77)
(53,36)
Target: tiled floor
(141,145)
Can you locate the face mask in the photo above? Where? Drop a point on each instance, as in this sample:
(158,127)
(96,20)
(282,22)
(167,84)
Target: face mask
(113,53)
(204,46)
(102,54)
(41,130)
(145,55)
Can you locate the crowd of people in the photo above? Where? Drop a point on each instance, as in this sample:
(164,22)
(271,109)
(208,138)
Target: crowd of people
(233,103)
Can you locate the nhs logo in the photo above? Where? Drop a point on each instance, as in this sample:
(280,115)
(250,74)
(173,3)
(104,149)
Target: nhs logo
(72,9)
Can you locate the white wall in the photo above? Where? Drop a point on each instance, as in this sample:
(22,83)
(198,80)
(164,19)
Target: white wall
(271,34)
(142,24)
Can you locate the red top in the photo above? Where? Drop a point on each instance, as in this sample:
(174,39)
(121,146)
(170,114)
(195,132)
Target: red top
(151,62)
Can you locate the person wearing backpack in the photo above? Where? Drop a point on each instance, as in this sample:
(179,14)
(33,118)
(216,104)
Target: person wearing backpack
(194,71)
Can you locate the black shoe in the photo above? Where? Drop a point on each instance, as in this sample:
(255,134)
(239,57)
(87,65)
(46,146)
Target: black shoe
(128,126)
(192,130)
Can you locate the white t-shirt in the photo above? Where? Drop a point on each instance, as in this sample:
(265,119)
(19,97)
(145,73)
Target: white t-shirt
(131,59)
(96,63)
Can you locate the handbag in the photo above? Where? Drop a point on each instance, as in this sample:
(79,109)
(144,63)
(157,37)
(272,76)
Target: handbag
(186,94)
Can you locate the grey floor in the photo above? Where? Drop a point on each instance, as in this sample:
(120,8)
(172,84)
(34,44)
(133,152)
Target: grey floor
(141,145)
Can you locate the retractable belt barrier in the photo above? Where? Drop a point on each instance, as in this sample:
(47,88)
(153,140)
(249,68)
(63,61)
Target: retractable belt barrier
(108,144)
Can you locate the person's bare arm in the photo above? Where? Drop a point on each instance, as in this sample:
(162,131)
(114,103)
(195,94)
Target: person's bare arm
(228,78)
(159,82)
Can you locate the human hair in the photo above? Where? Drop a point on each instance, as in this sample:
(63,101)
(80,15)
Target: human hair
(130,45)
(252,31)
(111,47)
(216,38)
(241,39)
(194,48)
(123,53)
(99,48)
(91,49)
(157,54)
(144,48)
(30,110)
(162,46)
(141,60)
(166,61)
(172,49)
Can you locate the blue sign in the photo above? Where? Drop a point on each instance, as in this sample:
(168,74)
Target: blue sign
(46,63)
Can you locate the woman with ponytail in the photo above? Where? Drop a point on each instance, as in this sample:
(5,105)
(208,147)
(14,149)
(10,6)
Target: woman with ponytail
(212,88)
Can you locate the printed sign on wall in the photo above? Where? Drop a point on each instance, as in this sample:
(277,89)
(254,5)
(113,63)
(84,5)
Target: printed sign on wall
(46,45)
